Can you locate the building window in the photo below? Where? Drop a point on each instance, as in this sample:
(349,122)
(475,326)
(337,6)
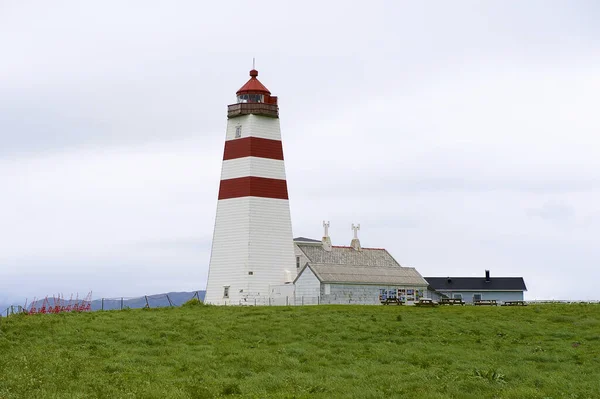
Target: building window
(297,262)
(238,132)
(457,296)
(476,297)
(250,273)
(327,289)
(226,291)
(402,294)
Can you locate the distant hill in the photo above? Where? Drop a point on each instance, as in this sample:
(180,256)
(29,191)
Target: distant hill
(154,301)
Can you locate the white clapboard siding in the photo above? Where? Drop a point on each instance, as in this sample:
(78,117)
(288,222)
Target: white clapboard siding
(254,126)
(251,234)
(307,285)
(253,166)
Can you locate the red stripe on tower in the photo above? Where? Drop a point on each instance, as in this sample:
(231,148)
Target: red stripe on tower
(253,147)
(252,186)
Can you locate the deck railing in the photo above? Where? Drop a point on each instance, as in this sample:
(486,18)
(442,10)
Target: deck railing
(271,110)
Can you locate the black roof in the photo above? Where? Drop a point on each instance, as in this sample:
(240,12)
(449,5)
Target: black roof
(304,239)
(477,283)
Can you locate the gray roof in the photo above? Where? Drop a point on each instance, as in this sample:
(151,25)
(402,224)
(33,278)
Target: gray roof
(363,274)
(304,239)
(347,255)
(477,283)
(367,266)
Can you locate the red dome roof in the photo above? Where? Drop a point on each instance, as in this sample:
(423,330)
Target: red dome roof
(253,86)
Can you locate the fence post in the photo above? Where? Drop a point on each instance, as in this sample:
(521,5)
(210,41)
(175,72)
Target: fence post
(287,302)
(319,300)
(269,301)
(121,303)
(102,303)
(302,300)
(254,301)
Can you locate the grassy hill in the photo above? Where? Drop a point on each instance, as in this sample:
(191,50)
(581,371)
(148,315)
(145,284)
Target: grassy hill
(540,351)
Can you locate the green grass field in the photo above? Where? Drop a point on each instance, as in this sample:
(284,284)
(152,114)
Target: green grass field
(538,351)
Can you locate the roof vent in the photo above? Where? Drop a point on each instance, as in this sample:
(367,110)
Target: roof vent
(487,276)
(355,241)
(326,241)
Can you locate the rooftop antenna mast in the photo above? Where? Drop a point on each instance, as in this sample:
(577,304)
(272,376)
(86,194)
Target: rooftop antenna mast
(253,63)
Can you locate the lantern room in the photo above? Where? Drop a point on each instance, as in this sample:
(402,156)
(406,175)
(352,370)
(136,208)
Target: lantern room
(254,98)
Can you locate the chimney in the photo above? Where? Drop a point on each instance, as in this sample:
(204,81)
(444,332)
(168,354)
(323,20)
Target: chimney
(326,241)
(355,241)
(487,276)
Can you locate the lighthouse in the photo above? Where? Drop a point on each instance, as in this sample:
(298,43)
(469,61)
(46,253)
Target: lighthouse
(252,248)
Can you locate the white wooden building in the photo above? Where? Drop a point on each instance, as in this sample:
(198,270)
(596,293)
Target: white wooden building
(351,274)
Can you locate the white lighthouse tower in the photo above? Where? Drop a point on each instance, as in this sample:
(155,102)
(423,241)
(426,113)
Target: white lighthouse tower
(252,248)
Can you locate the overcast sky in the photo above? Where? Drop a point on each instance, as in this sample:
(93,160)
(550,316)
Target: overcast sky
(462,136)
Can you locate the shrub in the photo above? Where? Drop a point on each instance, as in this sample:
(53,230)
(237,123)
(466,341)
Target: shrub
(193,302)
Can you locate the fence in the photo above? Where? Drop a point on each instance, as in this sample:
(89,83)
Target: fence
(306,300)
(12,309)
(146,301)
(570,301)
(358,300)
(178,299)
(59,305)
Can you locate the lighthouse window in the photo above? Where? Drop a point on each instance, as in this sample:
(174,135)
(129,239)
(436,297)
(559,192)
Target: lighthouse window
(255,98)
(226,291)
(250,98)
(297,262)
(238,132)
